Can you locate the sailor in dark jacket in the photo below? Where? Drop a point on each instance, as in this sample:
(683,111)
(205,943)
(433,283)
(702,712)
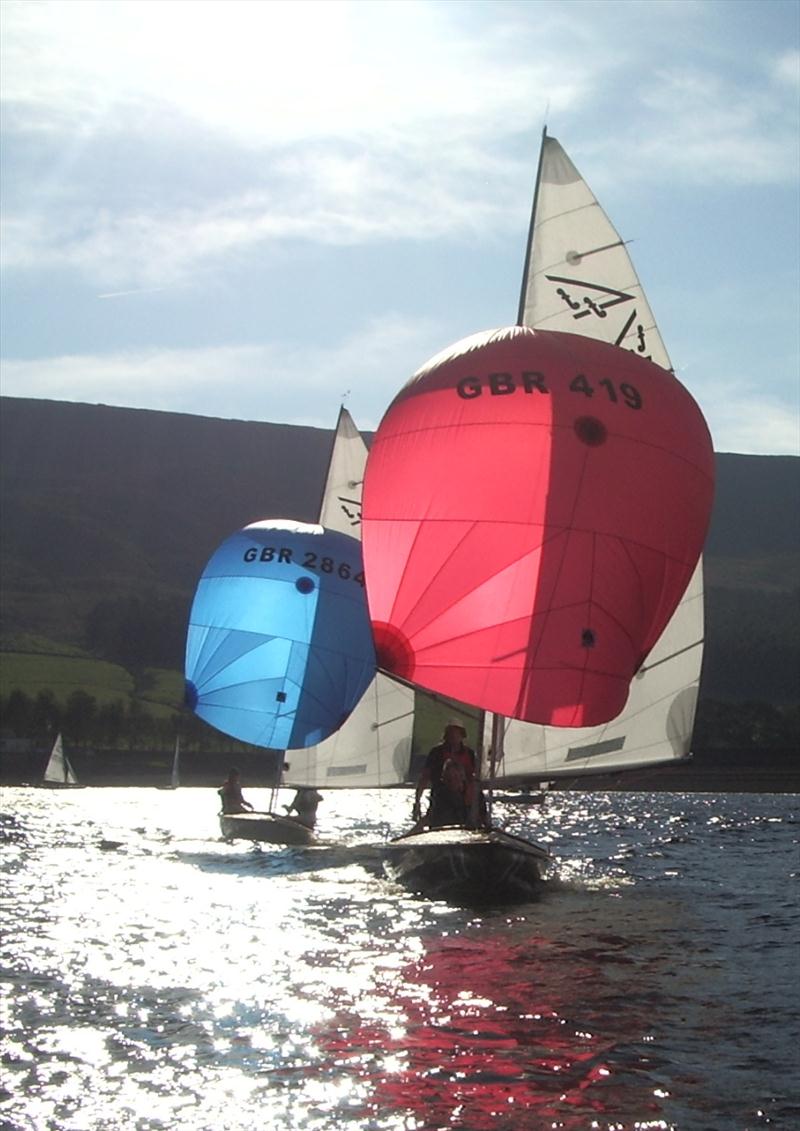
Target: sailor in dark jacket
(230,793)
(450,773)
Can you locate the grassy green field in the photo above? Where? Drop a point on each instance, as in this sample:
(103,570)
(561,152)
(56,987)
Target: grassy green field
(62,675)
(159,691)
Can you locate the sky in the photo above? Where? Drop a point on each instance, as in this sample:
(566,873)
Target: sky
(254,210)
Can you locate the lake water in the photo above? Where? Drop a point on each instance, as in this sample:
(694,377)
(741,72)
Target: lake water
(177,981)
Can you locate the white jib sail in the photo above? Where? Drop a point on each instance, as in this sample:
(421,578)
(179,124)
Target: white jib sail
(373,747)
(579,278)
(58,767)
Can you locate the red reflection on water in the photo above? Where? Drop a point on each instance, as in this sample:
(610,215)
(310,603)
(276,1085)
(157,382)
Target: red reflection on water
(499,1034)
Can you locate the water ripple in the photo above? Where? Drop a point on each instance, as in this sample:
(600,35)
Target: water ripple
(157,978)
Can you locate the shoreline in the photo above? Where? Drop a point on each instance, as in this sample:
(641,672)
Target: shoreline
(711,772)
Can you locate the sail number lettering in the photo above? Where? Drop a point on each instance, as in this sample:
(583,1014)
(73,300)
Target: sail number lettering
(532,381)
(283,555)
(625,392)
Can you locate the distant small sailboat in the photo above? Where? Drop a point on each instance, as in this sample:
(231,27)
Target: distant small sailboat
(59,773)
(176,765)
(174,780)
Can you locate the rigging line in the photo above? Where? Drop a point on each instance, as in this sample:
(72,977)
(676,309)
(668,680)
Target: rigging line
(672,656)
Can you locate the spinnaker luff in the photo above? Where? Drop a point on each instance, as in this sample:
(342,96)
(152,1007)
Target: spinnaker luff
(535,503)
(279,648)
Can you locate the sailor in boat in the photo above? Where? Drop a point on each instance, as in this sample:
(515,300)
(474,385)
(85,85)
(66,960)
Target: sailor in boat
(305,804)
(230,793)
(449,773)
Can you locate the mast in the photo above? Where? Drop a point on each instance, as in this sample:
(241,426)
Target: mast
(495,757)
(529,248)
(498,721)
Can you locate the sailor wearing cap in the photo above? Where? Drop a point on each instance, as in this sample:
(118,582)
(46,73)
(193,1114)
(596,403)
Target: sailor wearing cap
(450,774)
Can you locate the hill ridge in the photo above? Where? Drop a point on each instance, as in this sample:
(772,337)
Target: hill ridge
(105,504)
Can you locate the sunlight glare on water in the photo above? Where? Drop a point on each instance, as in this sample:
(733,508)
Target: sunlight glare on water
(157,977)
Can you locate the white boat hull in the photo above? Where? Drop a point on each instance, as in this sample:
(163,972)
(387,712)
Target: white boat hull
(468,867)
(267,828)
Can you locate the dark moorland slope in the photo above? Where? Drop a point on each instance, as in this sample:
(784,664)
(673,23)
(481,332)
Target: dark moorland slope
(101,505)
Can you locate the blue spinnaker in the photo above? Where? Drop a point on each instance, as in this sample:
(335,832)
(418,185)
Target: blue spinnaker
(279,648)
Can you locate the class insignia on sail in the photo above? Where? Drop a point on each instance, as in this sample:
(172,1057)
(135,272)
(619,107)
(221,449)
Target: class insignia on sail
(279,648)
(535,504)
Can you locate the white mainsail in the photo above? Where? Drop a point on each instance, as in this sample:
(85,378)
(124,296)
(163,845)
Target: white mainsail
(373,747)
(59,770)
(579,278)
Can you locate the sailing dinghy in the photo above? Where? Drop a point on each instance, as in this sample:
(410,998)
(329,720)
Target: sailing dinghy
(469,867)
(578,278)
(175,772)
(372,747)
(175,775)
(266,828)
(59,773)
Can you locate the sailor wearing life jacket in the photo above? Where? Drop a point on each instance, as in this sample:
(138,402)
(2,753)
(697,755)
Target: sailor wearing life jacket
(449,773)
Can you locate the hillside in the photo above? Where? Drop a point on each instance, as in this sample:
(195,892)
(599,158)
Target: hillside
(101,502)
(108,516)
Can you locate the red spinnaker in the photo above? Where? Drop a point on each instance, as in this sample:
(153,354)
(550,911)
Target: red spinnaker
(534,505)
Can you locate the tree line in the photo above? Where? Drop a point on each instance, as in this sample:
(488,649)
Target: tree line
(118,725)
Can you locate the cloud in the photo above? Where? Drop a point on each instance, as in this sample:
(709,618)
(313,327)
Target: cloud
(786,69)
(304,384)
(347,123)
(745,419)
(227,381)
(269,73)
(319,196)
(229,147)
(714,128)
(774,430)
